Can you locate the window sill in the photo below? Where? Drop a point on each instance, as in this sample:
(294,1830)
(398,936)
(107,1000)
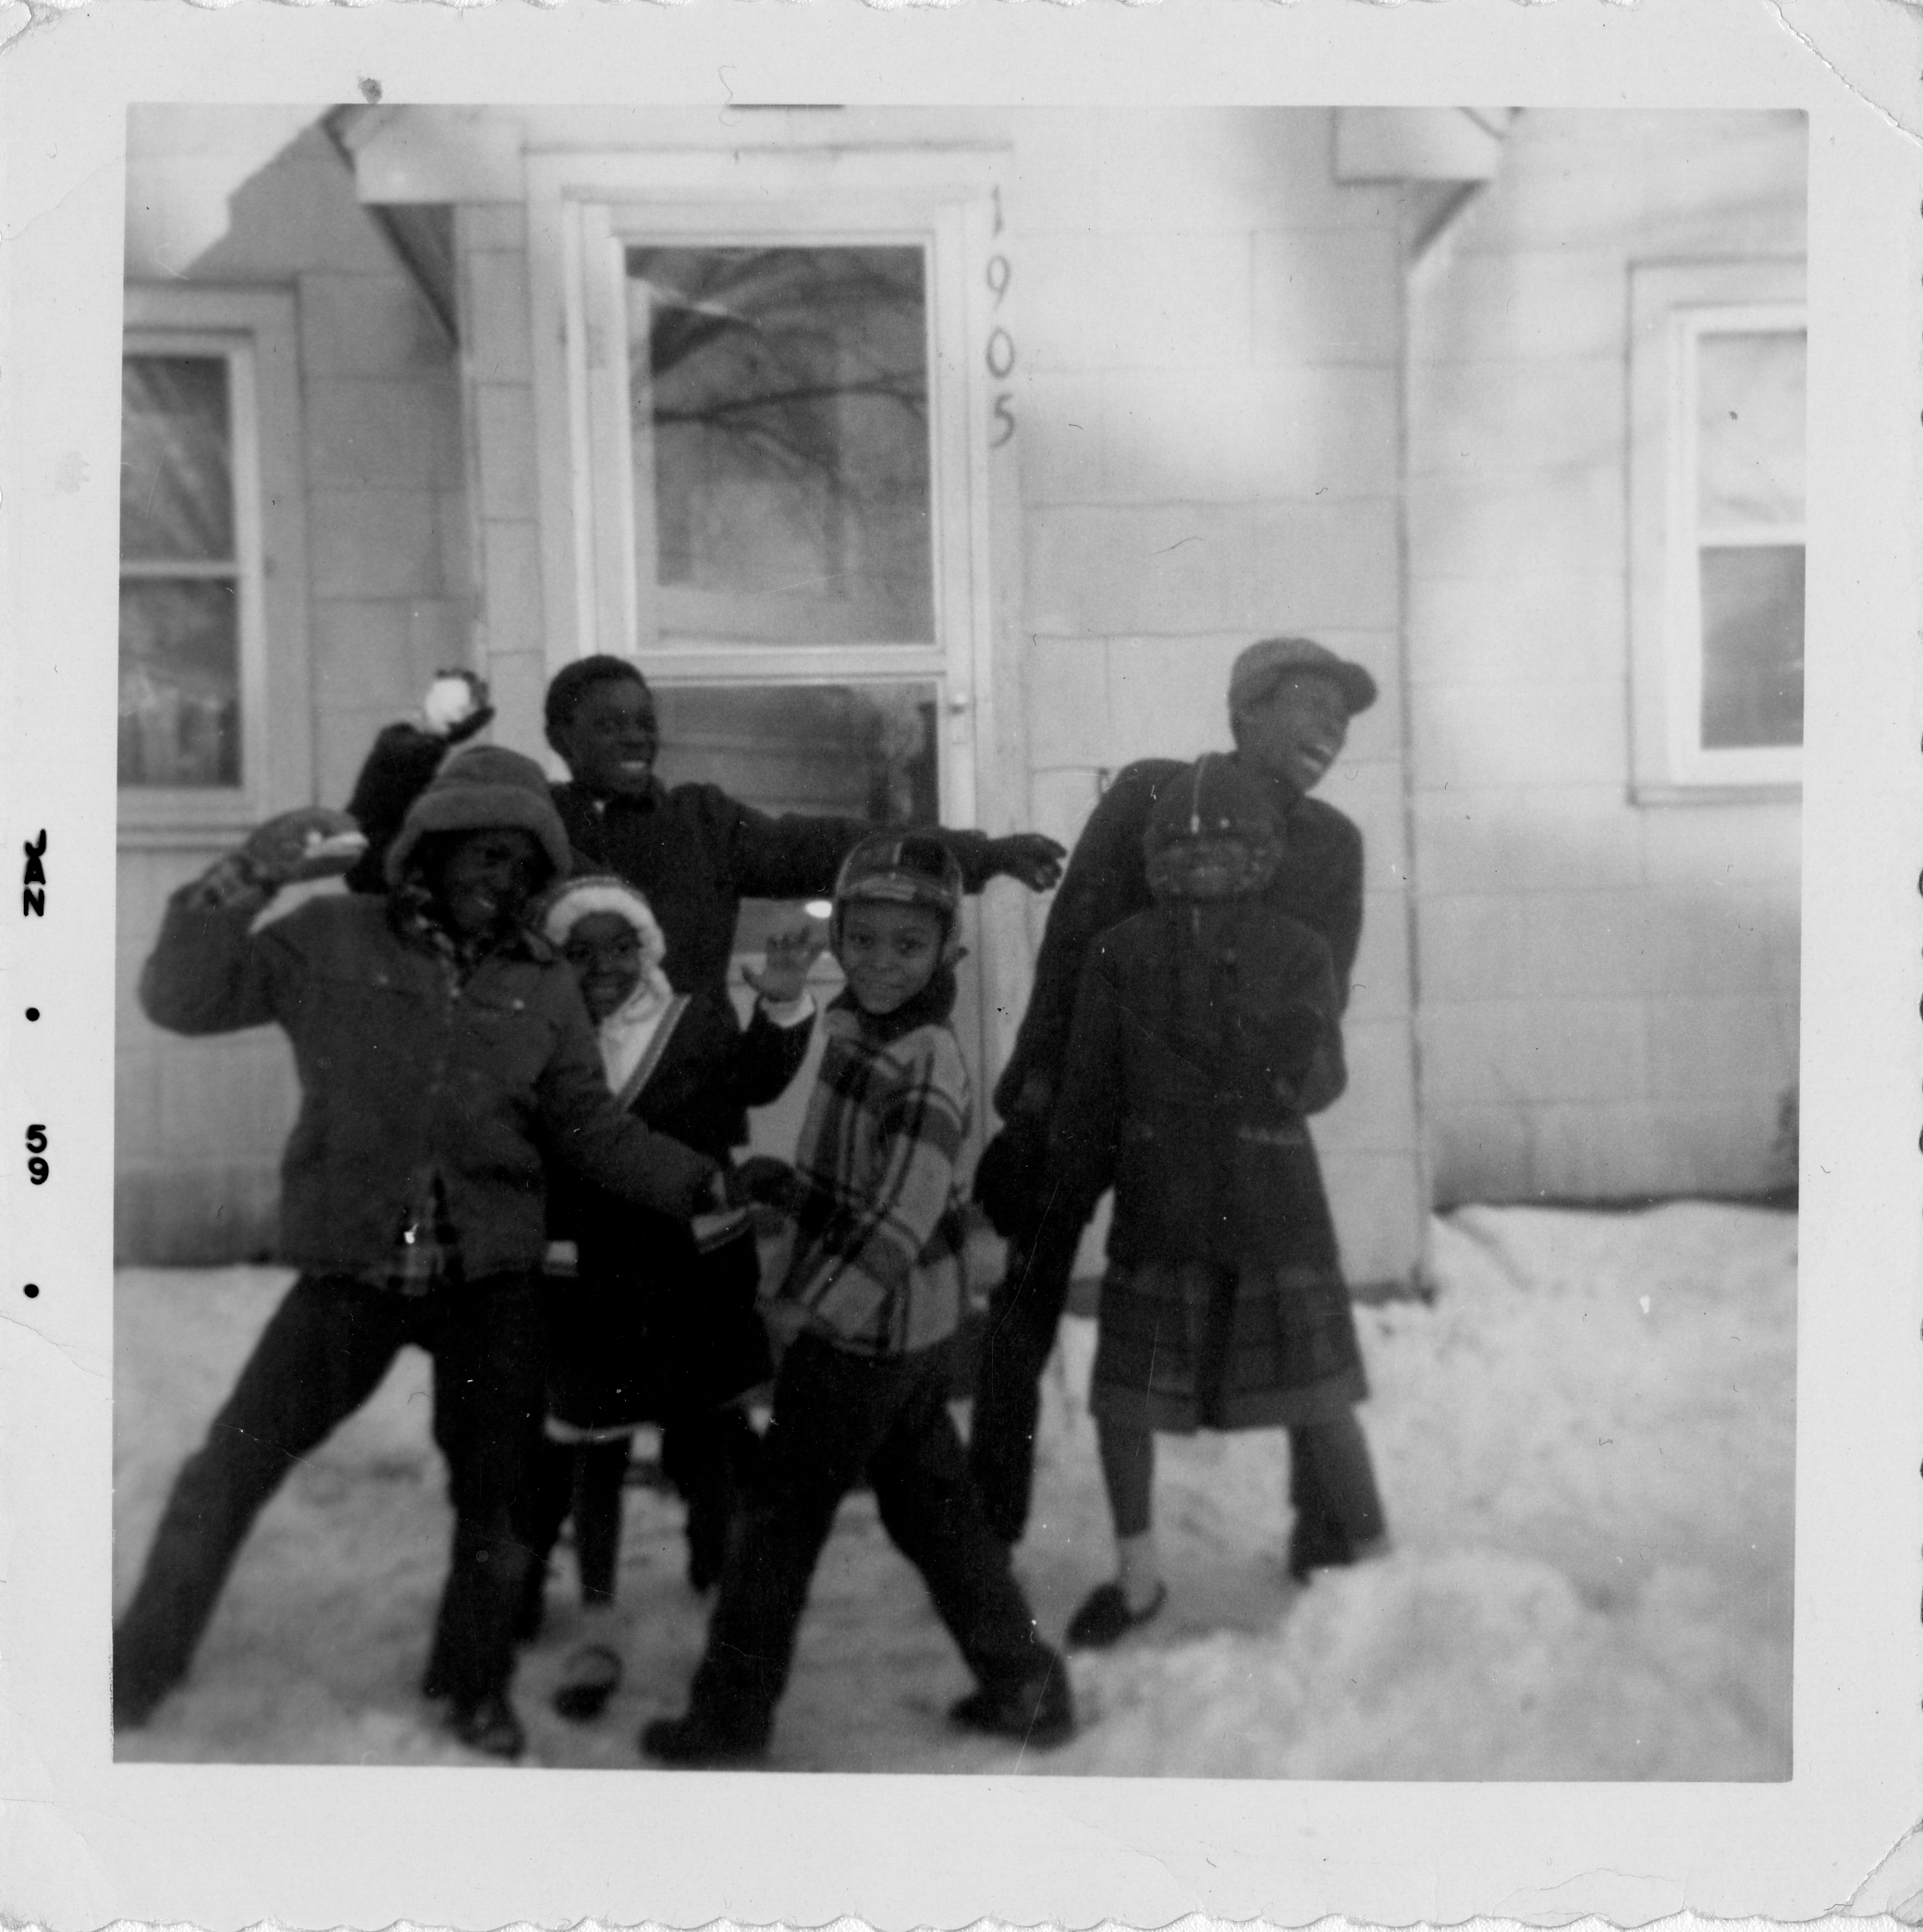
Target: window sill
(1711,791)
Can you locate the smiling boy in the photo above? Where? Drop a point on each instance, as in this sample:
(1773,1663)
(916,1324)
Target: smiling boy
(873,1287)
(1289,703)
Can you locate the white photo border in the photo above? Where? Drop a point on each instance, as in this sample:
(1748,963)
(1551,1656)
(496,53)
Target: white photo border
(86,1841)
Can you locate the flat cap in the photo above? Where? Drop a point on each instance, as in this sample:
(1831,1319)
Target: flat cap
(1266,663)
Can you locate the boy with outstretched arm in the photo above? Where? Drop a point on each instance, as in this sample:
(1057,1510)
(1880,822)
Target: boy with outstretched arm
(874,1287)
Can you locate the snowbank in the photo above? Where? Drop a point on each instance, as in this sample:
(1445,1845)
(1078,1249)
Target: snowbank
(1584,1445)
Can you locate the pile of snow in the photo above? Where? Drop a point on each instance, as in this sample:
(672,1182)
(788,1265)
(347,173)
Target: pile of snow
(1584,1446)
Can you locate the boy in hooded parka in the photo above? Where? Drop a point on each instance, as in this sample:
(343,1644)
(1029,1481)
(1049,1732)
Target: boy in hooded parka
(1205,1030)
(444,1055)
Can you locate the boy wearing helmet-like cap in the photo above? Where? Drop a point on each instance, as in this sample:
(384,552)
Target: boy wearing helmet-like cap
(873,1287)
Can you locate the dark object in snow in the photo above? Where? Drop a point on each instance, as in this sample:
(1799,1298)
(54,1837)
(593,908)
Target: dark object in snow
(593,1676)
(1039,1712)
(1105,1617)
(695,1744)
(490,1726)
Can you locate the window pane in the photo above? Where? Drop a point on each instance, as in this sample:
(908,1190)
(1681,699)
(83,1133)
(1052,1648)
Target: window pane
(785,391)
(176,498)
(1752,646)
(179,682)
(1749,426)
(846,750)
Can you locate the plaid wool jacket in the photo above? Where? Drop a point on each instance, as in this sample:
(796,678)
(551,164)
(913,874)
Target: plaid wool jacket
(878,1231)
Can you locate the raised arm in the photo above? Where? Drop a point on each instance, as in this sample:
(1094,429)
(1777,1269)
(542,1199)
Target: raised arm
(402,763)
(210,973)
(795,857)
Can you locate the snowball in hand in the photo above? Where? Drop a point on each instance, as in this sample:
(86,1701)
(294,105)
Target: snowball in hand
(450,698)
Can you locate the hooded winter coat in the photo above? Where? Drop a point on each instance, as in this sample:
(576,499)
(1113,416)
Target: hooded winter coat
(405,1068)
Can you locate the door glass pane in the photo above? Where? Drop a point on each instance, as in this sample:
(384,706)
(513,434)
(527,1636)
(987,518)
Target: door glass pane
(179,682)
(781,403)
(1749,428)
(844,751)
(1753,646)
(176,498)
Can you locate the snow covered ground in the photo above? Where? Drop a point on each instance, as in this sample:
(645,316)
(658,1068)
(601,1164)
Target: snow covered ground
(1584,1446)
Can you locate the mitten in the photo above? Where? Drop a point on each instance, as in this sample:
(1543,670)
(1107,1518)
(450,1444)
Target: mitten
(313,842)
(457,706)
(1032,856)
(1009,1177)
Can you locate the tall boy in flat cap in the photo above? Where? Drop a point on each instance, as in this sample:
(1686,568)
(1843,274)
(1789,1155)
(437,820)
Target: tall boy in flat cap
(1289,703)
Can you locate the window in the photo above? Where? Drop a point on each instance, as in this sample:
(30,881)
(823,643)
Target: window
(189,566)
(202,534)
(1717,384)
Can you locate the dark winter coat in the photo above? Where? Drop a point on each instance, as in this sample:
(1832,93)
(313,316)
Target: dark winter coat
(651,1326)
(1203,1035)
(404,1071)
(1318,881)
(693,851)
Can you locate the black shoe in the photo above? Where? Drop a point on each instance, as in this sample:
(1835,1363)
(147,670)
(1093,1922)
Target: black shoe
(593,1676)
(696,1746)
(1038,1711)
(1105,1617)
(489,1726)
(434,1682)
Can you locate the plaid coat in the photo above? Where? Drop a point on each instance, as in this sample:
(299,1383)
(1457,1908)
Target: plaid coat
(878,1231)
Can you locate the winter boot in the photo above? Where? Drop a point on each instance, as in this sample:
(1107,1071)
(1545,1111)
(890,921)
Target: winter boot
(1037,1710)
(697,1744)
(489,1725)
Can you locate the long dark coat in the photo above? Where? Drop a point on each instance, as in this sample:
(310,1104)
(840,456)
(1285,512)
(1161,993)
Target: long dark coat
(1203,1036)
(651,1326)
(492,1085)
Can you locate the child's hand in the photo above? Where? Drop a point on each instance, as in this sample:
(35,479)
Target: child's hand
(1032,856)
(784,973)
(761,1177)
(457,705)
(785,1321)
(309,843)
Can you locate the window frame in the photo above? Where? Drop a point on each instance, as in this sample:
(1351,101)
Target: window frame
(585,211)
(255,332)
(1673,307)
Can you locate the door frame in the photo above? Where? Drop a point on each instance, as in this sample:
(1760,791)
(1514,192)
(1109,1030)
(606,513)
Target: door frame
(949,201)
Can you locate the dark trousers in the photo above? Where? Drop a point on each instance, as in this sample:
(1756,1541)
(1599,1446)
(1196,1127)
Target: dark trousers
(323,1352)
(838,1416)
(1024,1310)
(709,1456)
(584,1480)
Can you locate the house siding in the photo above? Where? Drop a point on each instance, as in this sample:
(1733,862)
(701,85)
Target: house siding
(198,1124)
(1608,990)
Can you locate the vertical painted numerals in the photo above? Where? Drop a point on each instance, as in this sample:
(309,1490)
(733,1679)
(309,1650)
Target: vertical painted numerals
(1000,353)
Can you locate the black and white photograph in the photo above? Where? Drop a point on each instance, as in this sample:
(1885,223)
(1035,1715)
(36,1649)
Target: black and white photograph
(978,940)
